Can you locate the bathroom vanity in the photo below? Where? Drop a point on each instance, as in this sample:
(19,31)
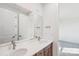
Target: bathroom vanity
(21,32)
(28,48)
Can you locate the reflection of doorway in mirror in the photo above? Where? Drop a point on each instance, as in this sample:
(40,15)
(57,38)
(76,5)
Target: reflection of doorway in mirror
(39,26)
(25,27)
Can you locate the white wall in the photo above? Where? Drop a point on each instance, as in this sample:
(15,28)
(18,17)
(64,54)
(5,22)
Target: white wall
(50,19)
(69,22)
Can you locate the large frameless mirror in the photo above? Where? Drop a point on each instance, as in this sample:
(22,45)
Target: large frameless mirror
(18,26)
(8,25)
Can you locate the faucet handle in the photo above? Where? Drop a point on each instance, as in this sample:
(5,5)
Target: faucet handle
(20,35)
(36,36)
(12,41)
(14,36)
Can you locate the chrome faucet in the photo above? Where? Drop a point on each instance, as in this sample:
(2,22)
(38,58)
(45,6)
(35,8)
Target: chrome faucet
(13,43)
(38,37)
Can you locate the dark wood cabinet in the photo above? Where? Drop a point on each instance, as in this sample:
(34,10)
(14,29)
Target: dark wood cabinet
(47,51)
(40,53)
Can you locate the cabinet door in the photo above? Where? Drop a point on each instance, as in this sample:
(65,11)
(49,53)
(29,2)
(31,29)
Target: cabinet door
(48,50)
(8,25)
(40,53)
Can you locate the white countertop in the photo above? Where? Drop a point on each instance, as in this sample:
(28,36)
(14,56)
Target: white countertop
(32,46)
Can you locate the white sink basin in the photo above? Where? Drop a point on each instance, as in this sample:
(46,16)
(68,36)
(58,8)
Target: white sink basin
(42,41)
(19,52)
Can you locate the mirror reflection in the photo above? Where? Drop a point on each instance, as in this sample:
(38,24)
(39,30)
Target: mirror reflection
(8,25)
(18,26)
